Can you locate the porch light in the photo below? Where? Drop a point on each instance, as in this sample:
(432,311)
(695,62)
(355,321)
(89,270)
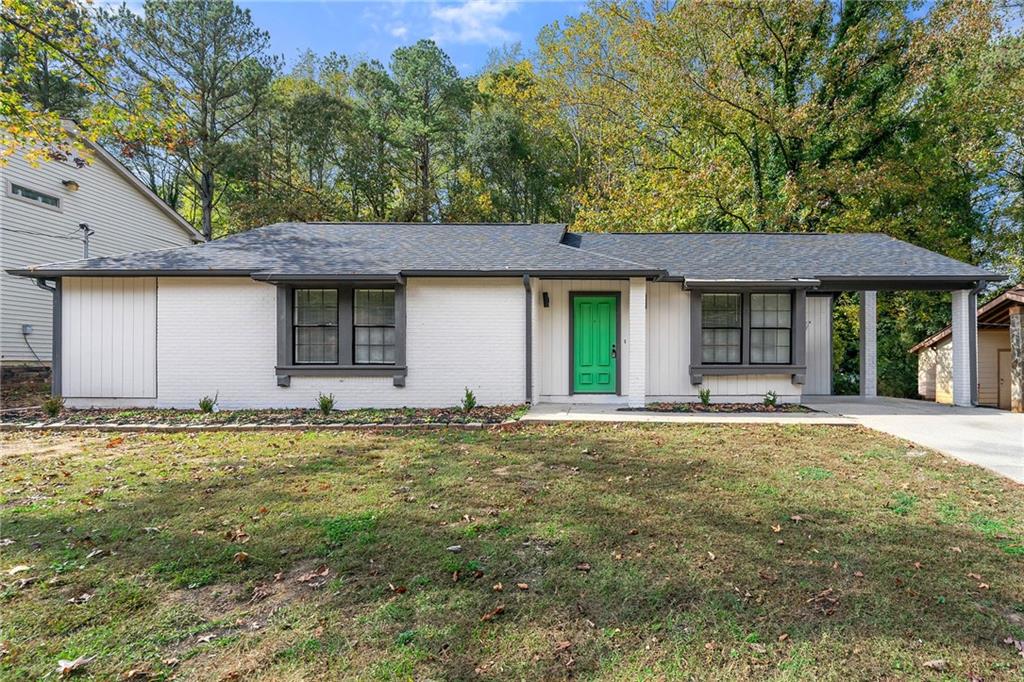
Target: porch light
(70,185)
(546,299)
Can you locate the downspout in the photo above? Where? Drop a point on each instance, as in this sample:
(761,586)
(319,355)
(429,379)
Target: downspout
(55,341)
(529,338)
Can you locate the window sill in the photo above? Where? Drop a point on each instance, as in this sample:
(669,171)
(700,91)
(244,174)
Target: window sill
(697,372)
(396,371)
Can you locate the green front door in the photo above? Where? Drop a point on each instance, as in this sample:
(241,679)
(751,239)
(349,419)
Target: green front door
(594,335)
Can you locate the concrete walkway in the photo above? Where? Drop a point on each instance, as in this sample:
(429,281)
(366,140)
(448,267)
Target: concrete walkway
(990,438)
(552,412)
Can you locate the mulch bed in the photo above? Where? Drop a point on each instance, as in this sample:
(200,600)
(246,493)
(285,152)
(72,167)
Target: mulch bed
(720,407)
(401,416)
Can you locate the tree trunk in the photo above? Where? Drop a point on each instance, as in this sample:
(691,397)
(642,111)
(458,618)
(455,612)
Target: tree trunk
(206,199)
(424,181)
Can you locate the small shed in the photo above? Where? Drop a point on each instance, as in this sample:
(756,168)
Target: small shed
(1000,356)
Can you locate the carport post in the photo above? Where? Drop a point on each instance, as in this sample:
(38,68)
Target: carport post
(1017,358)
(868,344)
(965,370)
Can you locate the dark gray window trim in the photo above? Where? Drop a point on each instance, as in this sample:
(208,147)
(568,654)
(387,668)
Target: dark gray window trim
(744,325)
(618,338)
(797,368)
(56,334)
(286,368)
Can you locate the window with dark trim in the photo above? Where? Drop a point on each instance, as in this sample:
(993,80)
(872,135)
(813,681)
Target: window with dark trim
(373,326)
(315,326)
(771,323)
(722,329)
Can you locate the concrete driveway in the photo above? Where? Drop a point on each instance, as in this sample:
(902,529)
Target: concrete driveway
(993,439)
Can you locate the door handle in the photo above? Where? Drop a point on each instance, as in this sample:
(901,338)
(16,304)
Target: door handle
(614,353)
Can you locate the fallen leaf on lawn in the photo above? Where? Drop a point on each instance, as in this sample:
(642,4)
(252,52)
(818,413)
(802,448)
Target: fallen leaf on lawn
(96,553)
(937,664)
(237,535)
(777,528)
(240,557)
(259,593)
(711,555)
(477,574)
(858,574)
(491,615)
(455,576)
(206,638)
(583,567)
(523,586)
(80,599)
(114,442)
(21,568)
(152,529)
(634,531)
(710,646)
(974,576)
(397,589)
(956,549)
(783,637)
(562,646)
(137,674)
(982,586)
(454,549)
(498,587)
(796,518)
(66,668)
(917,565)
(263,510)
(6,541)
(171,662)
(320,572)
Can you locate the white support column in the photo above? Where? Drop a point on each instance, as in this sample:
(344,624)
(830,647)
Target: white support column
(636,342)
(963,359)
(869,344)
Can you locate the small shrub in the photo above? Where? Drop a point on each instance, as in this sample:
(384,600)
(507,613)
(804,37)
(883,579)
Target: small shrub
(705,396)
(468,401)
(53,405)
(325,403)
(771,399)
(206,403)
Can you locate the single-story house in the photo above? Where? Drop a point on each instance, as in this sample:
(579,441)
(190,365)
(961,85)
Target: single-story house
(392,315)
(1000,342)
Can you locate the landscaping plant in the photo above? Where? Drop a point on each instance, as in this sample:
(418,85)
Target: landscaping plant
(325,403)
(468,401)
(206,404)
(771,399)
(53,405)
(705,396)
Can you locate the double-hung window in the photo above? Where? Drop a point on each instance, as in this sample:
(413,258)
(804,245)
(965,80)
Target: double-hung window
(315,326)
(339,327)
(771,322)
(373,314)
(722,329)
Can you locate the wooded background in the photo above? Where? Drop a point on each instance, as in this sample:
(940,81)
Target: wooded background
(632,116)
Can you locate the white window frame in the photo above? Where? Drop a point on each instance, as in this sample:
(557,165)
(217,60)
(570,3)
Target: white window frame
(59,208)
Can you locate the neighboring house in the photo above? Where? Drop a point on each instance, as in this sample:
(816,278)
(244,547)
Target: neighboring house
(392,315)
(41,208)
(1000,356)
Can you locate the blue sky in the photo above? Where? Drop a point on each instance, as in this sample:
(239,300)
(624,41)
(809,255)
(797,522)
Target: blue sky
(466,29)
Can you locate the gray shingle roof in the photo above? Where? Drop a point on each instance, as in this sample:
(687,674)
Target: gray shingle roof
(365,249)
(770,256)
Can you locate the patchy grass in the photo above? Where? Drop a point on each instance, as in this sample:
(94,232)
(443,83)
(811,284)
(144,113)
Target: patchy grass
(622,552)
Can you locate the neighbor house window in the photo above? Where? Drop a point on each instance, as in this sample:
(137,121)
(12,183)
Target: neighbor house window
(373,318)
(28,194)
(315,326)
(721,328)
(771,322)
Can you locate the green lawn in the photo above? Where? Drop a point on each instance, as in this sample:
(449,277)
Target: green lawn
(651,552)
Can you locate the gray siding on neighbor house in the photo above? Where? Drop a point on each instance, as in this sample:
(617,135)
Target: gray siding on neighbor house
(123,217)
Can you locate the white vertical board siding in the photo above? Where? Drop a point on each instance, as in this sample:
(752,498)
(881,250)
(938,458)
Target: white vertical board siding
(990,342)
(108,337)
(553,372)
(219,336)
(636,379)
(124,220)
(926,373)
(818,379)
(668,340)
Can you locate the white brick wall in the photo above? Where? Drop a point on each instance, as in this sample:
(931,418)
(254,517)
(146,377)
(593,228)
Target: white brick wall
(637,342)
(218,335)
(869,344)
(962,330)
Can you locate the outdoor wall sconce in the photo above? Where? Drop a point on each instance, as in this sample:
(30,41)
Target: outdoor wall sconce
(547,300)
(70,185)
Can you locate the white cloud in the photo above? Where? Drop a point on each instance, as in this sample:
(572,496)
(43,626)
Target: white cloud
(472,21)
(399,31)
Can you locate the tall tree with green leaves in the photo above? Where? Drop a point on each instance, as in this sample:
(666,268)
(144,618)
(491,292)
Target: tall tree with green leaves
(210,65)
(432,107)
